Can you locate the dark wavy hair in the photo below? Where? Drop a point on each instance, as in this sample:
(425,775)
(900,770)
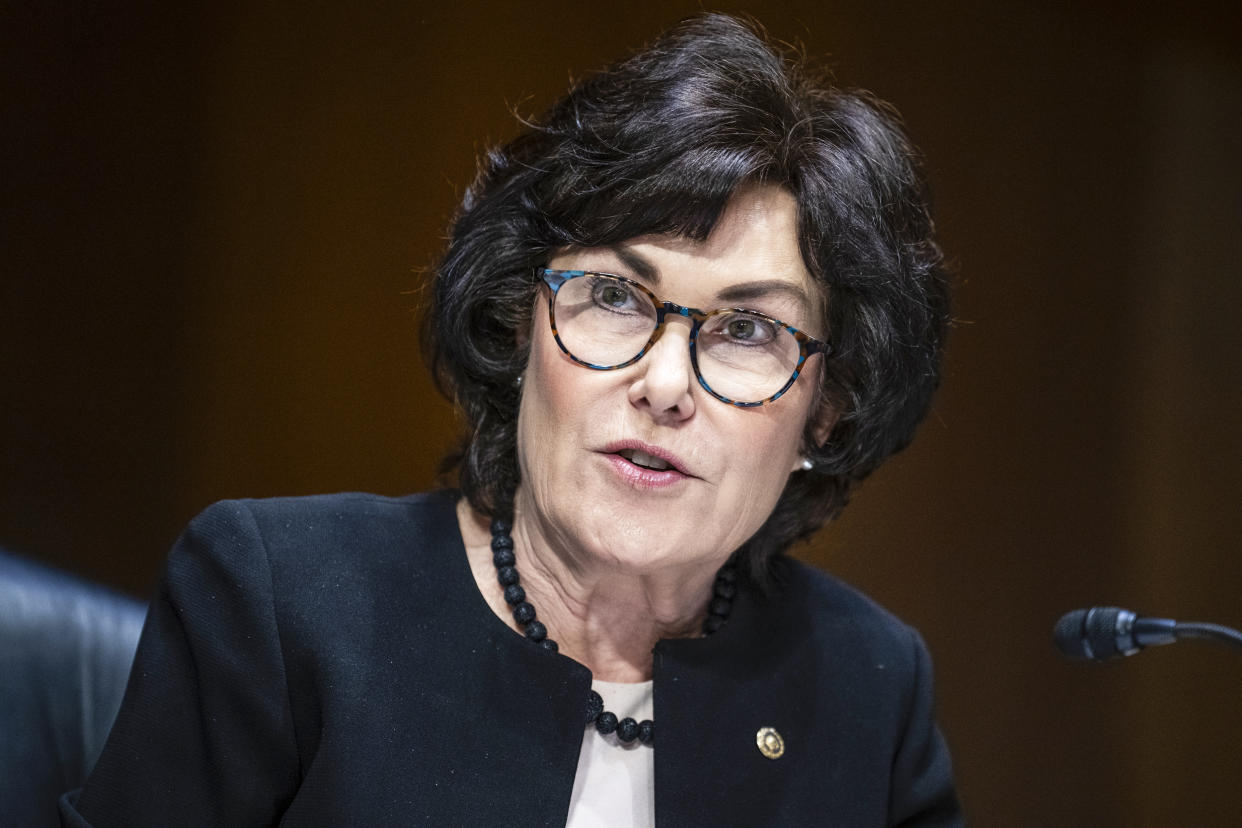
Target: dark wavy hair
(658,143)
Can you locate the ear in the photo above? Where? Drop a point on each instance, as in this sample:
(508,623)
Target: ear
(823,421)
(818,429)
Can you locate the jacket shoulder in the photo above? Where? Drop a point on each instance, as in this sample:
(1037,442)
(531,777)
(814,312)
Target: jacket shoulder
(838,618)
(310,552)
(294,513)
(348,524)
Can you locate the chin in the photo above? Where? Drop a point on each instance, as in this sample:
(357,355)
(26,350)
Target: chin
(646,541)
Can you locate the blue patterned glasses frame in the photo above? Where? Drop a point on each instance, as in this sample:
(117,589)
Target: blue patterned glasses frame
(741,357)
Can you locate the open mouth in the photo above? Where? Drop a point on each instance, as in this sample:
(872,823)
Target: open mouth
(646,461)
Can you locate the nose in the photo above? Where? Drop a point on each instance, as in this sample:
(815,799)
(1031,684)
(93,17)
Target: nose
(664,384)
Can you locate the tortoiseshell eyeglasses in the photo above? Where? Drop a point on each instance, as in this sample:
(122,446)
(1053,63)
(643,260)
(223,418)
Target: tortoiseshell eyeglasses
(741,357)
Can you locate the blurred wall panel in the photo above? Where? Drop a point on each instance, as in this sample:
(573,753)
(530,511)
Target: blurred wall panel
(97,189)
(1183,466)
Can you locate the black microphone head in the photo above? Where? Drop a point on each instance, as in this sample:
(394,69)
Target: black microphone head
(1093,633)
(1068,635)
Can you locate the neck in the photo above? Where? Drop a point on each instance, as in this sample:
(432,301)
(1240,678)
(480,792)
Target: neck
(606,618)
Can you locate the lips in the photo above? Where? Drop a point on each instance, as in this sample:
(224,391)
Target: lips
(645,465)
(644,460)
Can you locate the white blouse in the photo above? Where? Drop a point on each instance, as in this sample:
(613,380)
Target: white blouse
(615,783)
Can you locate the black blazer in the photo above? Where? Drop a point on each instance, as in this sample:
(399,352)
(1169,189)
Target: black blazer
(329,660)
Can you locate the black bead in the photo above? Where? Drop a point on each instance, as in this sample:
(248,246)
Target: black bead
(500,542)
(549,644)
(646,731)
(606,722)
(536,631)
(503,557)
(713,623)
(627,729)
(725,589)
(595,706)
(524,613)
(501,526)
(514,594)
(721,607)
(507,575)
(727,574)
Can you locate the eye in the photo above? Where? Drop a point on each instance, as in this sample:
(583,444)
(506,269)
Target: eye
(749,330)
(613,296)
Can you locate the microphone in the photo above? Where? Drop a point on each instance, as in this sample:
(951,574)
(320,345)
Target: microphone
(1101,633)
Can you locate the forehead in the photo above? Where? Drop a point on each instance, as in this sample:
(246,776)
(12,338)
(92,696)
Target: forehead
(754,242)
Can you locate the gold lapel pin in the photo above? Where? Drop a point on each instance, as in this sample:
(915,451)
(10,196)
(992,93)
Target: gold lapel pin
(770,743)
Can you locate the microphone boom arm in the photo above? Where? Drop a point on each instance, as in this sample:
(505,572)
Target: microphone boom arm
(1210,632)
(1101,633)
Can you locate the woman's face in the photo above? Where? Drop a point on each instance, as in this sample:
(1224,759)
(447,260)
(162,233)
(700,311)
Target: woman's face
(578,428)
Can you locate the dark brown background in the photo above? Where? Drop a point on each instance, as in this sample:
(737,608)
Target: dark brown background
(213,221)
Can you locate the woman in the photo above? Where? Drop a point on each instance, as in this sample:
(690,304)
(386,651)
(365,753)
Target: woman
(683,313)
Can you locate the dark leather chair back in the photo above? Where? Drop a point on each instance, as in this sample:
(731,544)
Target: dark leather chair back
(66,647)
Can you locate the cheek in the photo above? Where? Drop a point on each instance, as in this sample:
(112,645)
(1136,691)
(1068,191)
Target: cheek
(548,387)
(777,441)
(538,413)
(765,447)
(759,468)
(549,416)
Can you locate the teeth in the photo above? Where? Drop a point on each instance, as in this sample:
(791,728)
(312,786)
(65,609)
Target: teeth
(645,460)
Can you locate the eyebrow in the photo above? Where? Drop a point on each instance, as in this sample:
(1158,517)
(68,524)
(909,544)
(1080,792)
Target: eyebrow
(637,263)
(766,287)
(743,292)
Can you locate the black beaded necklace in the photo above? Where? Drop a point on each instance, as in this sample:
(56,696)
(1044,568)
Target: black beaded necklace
(605,722)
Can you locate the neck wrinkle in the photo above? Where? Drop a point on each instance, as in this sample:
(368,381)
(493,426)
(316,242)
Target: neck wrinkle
(608,621)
